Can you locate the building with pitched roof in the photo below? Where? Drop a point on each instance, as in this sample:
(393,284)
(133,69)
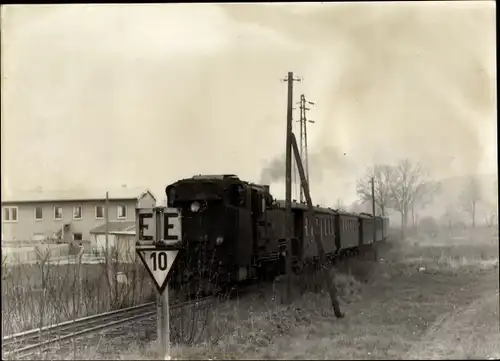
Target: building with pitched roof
(68,215)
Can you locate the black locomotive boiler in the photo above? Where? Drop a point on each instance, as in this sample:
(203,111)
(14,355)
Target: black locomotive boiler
(234,231)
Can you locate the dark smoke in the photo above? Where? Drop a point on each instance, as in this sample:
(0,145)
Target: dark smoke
(274,171)
(328,158)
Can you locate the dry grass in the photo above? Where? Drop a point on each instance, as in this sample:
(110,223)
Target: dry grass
(48,292)
(466,333)
(416,302)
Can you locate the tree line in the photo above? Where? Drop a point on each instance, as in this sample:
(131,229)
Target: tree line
(406,187)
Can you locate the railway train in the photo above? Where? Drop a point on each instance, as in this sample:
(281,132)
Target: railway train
(233,230)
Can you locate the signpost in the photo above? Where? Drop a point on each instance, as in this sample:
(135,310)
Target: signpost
(158,241)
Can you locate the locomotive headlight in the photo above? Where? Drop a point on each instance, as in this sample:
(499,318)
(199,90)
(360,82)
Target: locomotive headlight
(195,207)
(219,240)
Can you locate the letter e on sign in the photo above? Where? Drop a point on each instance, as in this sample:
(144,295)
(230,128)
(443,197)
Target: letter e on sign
(145,225)
(172,230)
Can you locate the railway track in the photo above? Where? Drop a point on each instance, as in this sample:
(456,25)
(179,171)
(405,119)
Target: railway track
(23,344)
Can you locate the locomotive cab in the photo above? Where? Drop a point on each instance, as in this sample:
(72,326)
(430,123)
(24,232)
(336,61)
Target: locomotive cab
(217,229)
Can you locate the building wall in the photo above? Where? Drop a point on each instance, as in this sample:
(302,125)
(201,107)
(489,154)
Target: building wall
(124,244)
(98,242)
(126,248)
(27,228)
(146,201)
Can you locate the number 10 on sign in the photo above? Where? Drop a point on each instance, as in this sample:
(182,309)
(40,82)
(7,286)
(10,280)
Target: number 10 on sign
(159,263)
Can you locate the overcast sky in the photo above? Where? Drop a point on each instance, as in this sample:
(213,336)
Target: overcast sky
(105,95)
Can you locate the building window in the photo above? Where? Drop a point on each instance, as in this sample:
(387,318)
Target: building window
(57,212)
(38,213)
(77,212)
(77,237)
(99,212)
(9,214)
(122,211)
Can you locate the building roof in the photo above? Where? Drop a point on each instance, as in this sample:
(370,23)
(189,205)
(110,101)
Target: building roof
(123,193)
(114,227)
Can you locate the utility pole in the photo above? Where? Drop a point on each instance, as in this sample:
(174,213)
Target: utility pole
(303,137)
(375,255)
(106,254)
(288,184)
(327,277)
(373,196)
(106,231)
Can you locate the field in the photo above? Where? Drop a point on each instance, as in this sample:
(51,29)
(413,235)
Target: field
(52,290)
(431,301)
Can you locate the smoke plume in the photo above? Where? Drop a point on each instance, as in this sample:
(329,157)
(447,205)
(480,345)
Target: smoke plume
(329,158)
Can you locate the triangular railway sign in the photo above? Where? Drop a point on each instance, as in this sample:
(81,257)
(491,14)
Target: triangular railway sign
(159,264)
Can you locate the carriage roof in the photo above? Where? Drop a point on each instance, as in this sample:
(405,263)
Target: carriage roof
(303,206)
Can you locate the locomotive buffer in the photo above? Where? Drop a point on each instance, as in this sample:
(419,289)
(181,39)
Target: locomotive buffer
(158,240)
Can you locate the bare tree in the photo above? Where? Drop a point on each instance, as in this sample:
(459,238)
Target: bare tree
(492,207)
(470,197)
(423,196)
(381,175)
(491,214)
(406,185)
(450,218)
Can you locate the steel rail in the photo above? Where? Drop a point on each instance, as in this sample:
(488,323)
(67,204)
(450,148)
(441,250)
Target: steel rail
(72,322)
(109,320)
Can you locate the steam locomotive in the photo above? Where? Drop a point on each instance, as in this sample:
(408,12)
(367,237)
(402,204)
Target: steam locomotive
(235,231)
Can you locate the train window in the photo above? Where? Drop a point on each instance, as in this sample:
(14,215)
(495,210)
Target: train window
(324,226)
(236,195)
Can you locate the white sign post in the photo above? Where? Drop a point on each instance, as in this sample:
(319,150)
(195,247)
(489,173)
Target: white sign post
(159,235)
